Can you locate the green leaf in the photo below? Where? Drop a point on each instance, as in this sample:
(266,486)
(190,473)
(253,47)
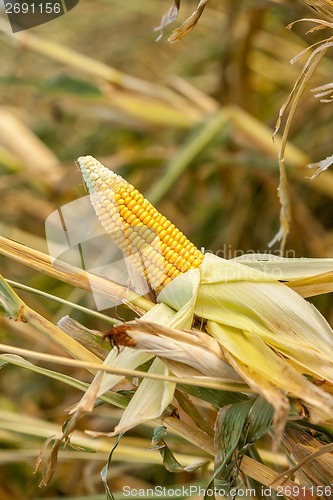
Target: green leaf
(213,396)
(105,470)
(230,425)
(259,420)
(238,426)
(158,435)
(119,400)
(10,303)
(65,84)
(169,460)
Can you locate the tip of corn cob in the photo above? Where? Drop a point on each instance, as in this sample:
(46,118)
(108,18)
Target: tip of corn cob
(155,246)
(94,173)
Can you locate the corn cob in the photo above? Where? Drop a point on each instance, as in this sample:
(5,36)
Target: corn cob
(154,245)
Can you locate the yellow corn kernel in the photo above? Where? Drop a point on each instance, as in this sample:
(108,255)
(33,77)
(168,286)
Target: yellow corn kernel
(155,246)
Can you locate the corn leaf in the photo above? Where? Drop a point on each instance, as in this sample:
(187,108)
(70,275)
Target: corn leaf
(283,268)
(238,427)
(180,349)
(152,396)
(266,330)
(282,318)
(149,401)
(214,397)
(301,445)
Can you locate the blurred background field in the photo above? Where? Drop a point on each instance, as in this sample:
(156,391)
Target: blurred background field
(190,125)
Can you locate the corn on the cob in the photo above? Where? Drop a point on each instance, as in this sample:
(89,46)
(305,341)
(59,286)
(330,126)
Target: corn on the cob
(155,246)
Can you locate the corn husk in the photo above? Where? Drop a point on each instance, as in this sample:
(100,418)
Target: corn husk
(265,334)
(273,336)
(286,269)
(153,396)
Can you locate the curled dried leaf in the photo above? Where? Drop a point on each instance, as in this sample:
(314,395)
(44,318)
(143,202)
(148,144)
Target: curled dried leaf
(321,166)
(314,458)
(324,91)
(189,24)
(168,18)
(192,348)
(51,460)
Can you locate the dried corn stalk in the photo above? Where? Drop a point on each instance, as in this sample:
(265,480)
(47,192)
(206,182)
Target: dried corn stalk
(323,7)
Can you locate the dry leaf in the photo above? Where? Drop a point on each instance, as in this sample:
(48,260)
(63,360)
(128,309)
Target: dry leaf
(189,24)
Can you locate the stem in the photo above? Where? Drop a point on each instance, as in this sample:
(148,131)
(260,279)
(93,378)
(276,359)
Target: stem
(283,190)
(71,275)
(85,310)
